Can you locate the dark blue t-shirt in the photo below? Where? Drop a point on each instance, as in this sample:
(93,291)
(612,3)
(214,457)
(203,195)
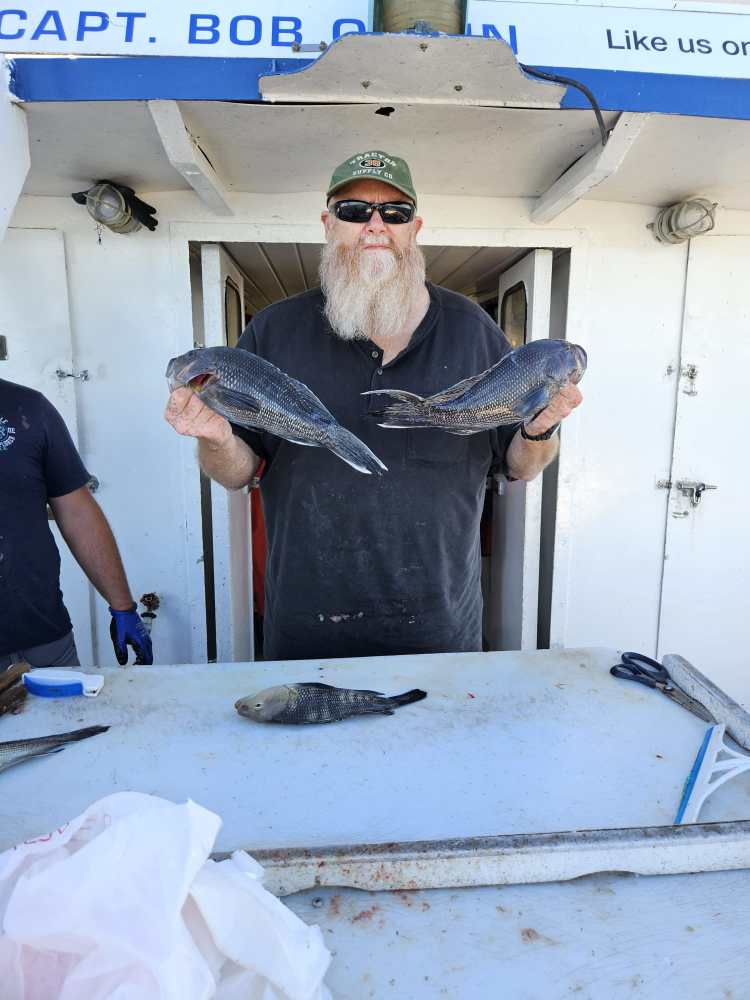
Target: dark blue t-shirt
(38,460)
(367,565)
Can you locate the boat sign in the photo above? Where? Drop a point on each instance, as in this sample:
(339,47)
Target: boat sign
(268,29)
(636,39)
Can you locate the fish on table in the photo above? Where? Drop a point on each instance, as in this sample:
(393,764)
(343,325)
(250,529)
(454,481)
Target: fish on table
(16,751)
(251,392)
(515,389)
(314,702)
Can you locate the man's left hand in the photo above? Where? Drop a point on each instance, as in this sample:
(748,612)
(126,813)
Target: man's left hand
(567,399)
(127,629)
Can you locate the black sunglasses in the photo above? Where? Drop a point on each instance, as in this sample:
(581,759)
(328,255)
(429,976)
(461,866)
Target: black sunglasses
(393,213)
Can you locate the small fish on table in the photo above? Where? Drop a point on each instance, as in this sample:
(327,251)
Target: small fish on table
(17,751)
(296,704)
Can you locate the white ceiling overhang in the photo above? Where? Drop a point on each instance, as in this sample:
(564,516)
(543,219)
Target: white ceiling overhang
(452,150)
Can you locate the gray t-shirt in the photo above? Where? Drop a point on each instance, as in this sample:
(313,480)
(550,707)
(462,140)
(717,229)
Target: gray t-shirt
(372,565)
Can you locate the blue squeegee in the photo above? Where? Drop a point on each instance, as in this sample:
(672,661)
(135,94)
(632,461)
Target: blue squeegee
(715,763)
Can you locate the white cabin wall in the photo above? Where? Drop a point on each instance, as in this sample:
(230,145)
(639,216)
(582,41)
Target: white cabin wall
(131,311)
(124,332)
(611,531)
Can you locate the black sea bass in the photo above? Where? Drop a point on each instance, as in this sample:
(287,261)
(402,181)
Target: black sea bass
(251,392)
(524,382)
(298,704)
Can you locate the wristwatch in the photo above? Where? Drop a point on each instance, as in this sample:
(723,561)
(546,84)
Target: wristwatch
(538,437)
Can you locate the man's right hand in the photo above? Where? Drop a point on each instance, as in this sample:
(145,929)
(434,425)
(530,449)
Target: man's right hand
(190,416)
(222,455)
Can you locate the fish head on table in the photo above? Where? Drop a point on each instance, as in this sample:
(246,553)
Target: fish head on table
(266,705)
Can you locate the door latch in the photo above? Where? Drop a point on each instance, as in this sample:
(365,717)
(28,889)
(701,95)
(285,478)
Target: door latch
(83,375)
(690,372)
(693,491)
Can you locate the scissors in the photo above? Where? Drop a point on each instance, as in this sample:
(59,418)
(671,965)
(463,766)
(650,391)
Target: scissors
(643,670)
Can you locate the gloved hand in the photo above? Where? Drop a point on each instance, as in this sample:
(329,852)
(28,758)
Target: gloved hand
(127,629)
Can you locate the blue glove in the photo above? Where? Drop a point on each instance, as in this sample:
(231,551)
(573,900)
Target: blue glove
(127,629)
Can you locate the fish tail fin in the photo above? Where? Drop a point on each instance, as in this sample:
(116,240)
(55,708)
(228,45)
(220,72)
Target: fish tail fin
(81,734)
(400,394)
(355,452)
(408,697)
(408,410)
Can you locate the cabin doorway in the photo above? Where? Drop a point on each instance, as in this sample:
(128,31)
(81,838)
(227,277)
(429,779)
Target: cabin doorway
(525,292)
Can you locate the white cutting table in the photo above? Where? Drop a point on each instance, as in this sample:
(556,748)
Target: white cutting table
(505,743)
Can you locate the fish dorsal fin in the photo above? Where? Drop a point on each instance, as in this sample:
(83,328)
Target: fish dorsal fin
(454,391)
(311,403)
(330,687)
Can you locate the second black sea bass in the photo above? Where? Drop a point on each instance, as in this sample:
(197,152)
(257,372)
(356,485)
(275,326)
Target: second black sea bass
(524,382)
(251,392)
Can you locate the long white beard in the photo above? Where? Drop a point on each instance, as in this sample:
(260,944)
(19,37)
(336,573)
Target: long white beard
(369,293)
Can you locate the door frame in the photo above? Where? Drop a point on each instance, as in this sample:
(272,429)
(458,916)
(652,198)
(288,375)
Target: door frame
(529,237)
(514,572)
(230,510)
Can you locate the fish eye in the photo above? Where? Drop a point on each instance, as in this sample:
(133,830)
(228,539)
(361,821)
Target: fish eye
(259,704)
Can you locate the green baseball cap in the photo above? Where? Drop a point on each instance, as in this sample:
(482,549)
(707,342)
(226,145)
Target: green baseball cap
(377,166)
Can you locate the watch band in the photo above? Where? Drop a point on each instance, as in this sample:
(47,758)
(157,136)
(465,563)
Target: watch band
(538,437)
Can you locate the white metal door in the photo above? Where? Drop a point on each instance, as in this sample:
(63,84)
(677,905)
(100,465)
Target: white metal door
(705,605)
(223,320)
(517,513)
(35,321)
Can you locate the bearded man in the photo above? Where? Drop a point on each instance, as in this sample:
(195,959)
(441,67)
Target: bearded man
(361,565)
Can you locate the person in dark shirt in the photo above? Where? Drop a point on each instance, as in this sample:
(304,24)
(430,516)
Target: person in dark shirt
(39,465)
(365,565)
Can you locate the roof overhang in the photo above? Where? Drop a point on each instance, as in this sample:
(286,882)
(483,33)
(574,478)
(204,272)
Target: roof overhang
(460,109)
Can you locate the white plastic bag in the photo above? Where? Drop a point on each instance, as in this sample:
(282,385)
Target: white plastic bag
(122,903)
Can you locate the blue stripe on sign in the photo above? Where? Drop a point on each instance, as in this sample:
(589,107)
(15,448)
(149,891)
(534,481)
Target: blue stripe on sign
(705,96)
(139,78)
(144,78)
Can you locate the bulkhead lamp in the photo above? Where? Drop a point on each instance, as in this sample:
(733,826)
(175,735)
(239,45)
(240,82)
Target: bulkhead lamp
(116,207)
(684,220)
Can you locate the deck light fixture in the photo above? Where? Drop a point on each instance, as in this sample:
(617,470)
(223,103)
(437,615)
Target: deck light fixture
(116,207)
(682,221)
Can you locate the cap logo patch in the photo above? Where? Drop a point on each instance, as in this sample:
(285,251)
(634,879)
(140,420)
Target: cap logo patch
(372,163)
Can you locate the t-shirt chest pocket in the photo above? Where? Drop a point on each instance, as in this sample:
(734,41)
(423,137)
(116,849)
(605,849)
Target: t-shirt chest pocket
(431,446)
